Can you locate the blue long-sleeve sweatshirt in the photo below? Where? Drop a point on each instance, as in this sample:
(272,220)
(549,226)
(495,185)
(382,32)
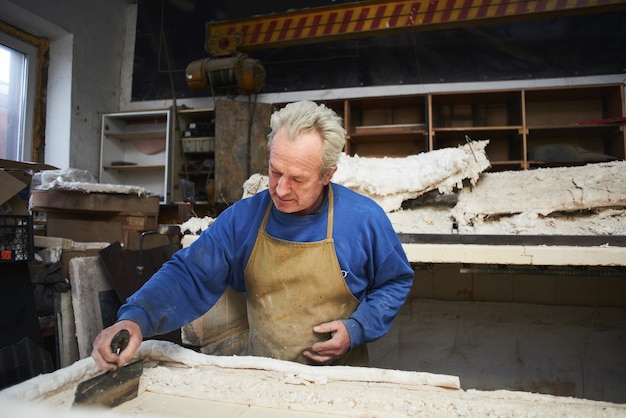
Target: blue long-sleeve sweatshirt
(370,255)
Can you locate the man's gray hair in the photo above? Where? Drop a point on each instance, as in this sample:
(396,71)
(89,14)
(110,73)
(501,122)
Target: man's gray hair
(305,116)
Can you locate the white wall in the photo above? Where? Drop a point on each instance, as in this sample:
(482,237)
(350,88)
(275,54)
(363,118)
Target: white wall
(84,74)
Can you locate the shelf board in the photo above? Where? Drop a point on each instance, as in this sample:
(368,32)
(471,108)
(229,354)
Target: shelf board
(546,164)
(576,130)
(139,136)
(134,167)
(506,162)
(195,173)
(511,128)
(197,202)
(198,113)
(477,133)
(399,129)
(480,98)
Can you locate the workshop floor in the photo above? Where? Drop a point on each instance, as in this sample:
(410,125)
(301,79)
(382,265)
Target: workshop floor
(546,348)
(559,350)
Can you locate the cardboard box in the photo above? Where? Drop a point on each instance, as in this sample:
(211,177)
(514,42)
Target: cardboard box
(12,200)
(67,200)
(25,166)
(23,171)
(85,230)
(15,179)
(94,217)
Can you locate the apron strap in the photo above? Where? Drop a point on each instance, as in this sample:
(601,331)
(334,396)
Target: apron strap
(329,227)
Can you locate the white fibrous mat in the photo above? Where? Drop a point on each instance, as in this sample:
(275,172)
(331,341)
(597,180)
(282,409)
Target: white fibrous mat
(173,372)
(72,179)
(390,181)
(196,225)
(447,191)
(584,200)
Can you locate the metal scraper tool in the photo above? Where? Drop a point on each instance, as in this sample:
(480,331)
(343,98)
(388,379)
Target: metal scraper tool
(113,387)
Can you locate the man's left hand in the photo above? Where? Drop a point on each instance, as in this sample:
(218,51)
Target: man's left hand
(325,352)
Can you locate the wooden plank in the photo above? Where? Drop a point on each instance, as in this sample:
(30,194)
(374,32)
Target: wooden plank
(90,284)
(526,255)
(235,161)
(561,240)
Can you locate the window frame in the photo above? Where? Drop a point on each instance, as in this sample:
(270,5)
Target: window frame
(28,129)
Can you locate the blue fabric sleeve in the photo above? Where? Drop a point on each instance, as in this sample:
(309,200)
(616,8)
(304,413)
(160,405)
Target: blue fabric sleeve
(373,262)
(195,278)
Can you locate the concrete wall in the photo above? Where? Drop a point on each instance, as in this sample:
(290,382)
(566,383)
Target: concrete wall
(591,287)
(574,351)
(556,334)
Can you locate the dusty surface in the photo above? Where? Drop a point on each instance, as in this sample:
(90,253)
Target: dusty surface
(546,190)
(439,220)
(178,383)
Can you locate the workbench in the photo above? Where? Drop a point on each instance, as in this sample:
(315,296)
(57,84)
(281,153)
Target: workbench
(518,250)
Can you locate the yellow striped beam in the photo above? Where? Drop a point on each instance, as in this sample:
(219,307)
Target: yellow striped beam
(373,18)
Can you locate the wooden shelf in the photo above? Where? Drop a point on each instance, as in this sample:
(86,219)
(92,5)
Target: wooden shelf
(399,129)
(134,167)
(478,133)
(140,139)
(576,130)
(515,129)
(197,203)
(503,164)
(514,120)
(203,173)
(187,153)
(139,136)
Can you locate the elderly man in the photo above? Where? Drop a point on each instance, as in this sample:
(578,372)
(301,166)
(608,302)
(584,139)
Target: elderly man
(322,268)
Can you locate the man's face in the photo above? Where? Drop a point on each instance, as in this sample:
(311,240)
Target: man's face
(294,173)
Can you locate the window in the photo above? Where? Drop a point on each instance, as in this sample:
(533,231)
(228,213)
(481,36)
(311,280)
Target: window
(18,66)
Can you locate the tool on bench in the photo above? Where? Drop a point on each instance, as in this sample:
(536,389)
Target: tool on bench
(113,387)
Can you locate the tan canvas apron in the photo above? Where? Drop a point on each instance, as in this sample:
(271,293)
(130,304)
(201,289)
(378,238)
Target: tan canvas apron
(291,287)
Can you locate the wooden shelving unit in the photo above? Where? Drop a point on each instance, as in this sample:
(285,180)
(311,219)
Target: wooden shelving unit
(456,118)
(574,117)
(201,156)
(386,126)
(561,124)
(135,150)
(193,156)
(143,149)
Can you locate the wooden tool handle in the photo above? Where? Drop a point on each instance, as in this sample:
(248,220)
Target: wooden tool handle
(120,341)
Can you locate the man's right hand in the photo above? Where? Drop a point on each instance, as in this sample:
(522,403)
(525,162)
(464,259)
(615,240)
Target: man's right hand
(107,359)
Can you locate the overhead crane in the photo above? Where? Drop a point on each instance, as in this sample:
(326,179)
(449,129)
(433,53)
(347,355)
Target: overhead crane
(230,40)
(375,18)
